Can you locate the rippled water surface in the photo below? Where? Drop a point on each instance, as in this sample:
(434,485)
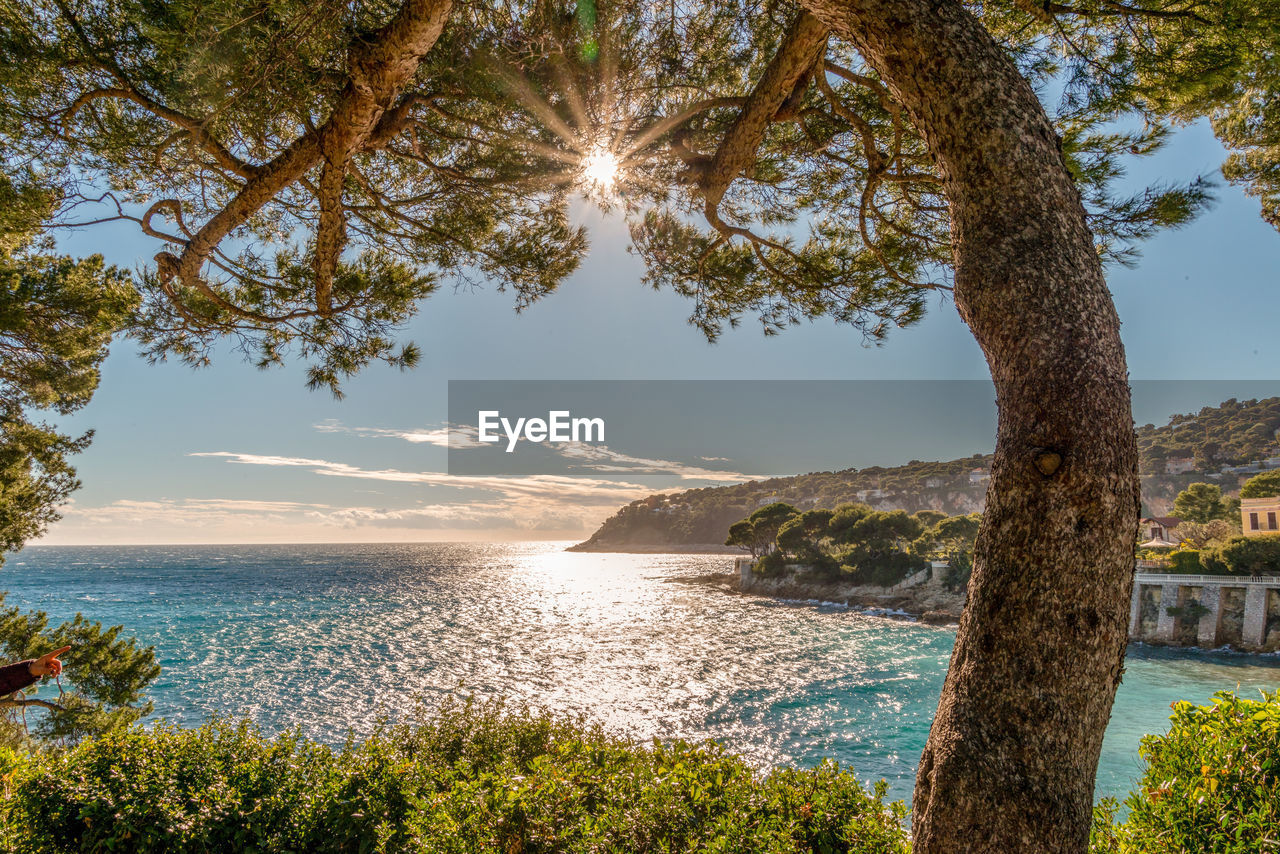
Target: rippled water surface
(325,638)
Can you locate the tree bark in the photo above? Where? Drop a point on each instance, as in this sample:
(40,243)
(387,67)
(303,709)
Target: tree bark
(1010,761)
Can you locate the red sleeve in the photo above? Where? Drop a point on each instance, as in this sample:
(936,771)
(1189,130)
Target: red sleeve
(15,677)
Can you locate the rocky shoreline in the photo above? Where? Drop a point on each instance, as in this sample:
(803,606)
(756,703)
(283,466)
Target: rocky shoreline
(929,603)
(655,548)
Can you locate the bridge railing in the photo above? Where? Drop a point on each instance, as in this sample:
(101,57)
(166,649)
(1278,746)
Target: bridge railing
(1200,580)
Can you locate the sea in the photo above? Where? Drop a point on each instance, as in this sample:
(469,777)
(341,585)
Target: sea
(328,639)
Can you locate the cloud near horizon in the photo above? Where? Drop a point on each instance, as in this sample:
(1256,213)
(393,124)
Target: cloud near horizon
(453,506)
(590,457)
(444,436)
(547,487)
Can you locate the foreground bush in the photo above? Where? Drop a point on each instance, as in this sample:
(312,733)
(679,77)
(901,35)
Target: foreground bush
(469,778)
(1212,784)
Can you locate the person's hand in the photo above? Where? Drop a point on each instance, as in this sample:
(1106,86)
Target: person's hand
(48,664)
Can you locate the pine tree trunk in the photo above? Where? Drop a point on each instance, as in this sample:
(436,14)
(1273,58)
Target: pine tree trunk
(1010,761)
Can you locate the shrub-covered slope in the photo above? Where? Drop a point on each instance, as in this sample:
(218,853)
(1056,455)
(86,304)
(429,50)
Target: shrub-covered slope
(1233,433)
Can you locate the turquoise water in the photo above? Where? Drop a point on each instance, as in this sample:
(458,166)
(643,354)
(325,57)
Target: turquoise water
(327,638)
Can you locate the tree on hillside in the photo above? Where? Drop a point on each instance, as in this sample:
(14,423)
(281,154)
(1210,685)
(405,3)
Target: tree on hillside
(758,533)
(1265,485)
(1258,555)
(949,536)
(875,547)
(1232,433)
(1200,535)
(800,536)
(1203,502)
(256,143)
(929,518)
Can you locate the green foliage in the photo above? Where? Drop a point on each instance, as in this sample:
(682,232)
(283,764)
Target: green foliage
(772,565)
(840,211)
(929,518)
(1265,485)
(1186,561)
(854,542)
(1190,611)
(469,777)
(948,536)
(1218,64)
(57,318)
(758,533)
(160,115)
(104,680)
(881,568)
(1211,786)
(1199,535)
(1233,433)
(800,535)
(872,546)
(1245,556)
(1201,502)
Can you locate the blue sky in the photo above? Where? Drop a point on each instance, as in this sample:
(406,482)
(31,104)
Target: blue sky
(232,454)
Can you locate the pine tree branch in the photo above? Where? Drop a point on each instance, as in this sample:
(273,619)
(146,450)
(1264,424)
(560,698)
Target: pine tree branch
(192,127)
(15,702)
(381,65)
(801,48)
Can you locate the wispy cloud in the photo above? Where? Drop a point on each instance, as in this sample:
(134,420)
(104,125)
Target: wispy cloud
(236,520)
(188,512)
(447,435)
(602,458)
(547,487)
(582,456)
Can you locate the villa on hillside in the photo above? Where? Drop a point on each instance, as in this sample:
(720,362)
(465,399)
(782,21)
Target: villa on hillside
(1159,531)
(979,476)
(1260,516)
(1179,465)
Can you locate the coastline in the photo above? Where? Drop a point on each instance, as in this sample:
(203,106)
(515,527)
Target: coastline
(932,604)
(656,548)
(929,603)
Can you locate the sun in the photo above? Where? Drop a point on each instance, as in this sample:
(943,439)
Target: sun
(600,169)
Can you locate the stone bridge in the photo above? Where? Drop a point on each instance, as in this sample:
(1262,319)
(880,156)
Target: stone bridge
(1207,611)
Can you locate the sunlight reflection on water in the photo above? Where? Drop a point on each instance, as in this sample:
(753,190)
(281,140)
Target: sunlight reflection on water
(326,638)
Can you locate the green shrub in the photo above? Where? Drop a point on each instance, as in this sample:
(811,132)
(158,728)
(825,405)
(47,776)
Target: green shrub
(1186,561)
(471,777)
(883,570)
(1190,612)
(1212,784)
(1244,556)
(1265,485)
(772,565)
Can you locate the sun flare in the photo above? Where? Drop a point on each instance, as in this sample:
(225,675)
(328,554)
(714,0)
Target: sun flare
(600,170)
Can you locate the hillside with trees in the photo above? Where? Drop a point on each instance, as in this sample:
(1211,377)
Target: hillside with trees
(1233,433)
(701,517)
(1217,440)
